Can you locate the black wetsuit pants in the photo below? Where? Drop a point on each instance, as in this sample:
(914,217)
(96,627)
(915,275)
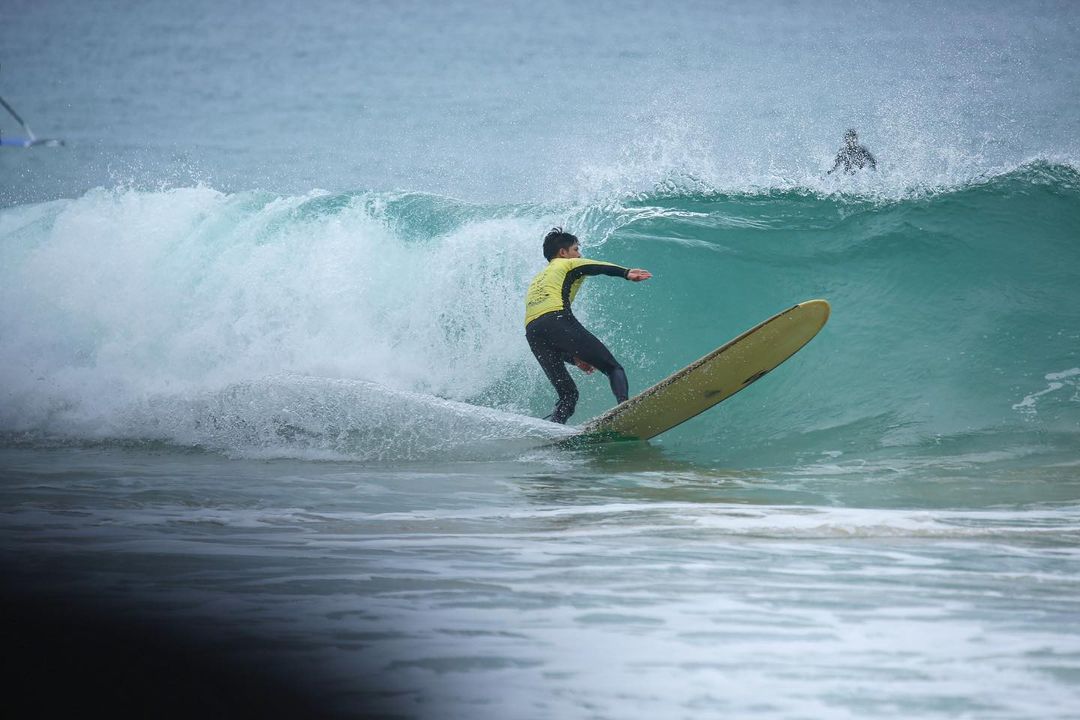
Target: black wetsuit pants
(556,339)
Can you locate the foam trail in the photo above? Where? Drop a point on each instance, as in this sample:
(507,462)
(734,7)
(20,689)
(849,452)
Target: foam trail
(316,418)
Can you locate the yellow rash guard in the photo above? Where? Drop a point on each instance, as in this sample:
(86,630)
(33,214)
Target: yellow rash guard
(556,285)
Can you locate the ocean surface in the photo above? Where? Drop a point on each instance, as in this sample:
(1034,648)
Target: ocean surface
(270,435)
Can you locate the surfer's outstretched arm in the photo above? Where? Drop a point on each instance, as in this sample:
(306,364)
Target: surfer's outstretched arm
(597,267)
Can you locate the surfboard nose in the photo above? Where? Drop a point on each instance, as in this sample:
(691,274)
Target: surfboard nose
(716,376)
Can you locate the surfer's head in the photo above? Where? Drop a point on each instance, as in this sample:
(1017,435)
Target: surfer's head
(850,137)
(557,240)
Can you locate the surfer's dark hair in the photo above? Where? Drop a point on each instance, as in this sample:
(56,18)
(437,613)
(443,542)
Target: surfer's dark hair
(556,240)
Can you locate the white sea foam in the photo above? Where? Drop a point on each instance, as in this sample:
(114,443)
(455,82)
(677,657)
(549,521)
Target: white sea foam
(123,303)
(1066,379)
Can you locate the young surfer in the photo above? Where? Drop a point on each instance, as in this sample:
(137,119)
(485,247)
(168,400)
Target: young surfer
(554,334)
(853,156)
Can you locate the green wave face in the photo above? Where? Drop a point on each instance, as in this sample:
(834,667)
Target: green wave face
(951,311)
(955,314)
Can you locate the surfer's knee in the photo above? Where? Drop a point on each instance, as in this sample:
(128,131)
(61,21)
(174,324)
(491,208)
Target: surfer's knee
(566,405)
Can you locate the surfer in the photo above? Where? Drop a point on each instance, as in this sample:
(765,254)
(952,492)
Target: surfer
(555,336)
(853,156)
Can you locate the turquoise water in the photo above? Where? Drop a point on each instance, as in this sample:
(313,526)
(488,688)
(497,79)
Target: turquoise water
(264,381)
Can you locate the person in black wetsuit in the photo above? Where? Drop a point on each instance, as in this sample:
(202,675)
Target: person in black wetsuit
(555,336)
(853,156)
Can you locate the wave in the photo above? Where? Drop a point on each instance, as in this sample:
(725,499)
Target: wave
(143,313)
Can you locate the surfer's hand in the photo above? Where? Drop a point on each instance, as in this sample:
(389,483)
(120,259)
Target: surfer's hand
(584,366)
(637,275)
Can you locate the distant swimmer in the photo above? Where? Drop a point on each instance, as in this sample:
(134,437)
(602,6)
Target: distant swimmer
(555,336)
(853,156)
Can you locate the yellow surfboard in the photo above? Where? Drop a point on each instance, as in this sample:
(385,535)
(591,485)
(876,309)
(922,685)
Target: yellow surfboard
(715,377)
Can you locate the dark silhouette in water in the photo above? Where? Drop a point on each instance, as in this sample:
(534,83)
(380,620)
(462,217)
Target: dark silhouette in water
(72,647)
(853,156)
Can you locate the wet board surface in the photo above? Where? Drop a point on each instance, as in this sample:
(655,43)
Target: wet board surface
(711,379)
